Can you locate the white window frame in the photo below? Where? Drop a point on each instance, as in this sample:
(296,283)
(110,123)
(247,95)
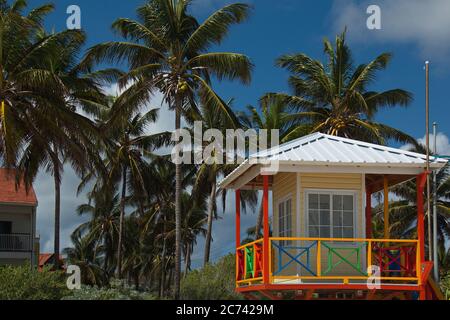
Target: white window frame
(291,227)
(331,193)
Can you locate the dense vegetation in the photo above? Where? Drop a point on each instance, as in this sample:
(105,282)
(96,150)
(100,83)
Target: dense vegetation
(146,213)
(24,283)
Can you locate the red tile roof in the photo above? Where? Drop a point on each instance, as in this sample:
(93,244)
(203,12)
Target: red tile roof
(45,259)
(10,194)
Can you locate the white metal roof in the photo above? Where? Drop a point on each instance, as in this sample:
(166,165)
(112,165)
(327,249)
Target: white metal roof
(321,149)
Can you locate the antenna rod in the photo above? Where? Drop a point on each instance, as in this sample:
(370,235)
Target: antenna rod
(427,71)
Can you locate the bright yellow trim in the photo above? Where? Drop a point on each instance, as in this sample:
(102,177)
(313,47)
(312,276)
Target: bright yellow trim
(319,258)
(3,116)
(369,258)
(346,240)
(249,244)
(250,280)
(418,265)
(343,278)
(270,261)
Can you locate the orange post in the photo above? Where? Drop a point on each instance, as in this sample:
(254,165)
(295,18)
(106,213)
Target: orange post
(266,240)
(368,213)
(421,181)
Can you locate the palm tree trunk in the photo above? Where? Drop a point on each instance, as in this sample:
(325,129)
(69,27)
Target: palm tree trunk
(163,260)
(121,222)
(57,217)
(177,275)
(187,265)
(211,208)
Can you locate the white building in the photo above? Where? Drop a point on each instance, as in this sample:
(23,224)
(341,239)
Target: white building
(18,242)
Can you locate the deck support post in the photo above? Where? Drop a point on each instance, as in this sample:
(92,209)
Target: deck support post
(386,207)
(421,181)
(266,240)
(368,213)
(238,218)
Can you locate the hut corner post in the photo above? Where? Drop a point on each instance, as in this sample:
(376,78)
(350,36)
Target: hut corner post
(266,241)
(421,182)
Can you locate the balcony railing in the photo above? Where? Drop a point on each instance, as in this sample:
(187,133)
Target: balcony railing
(317,260)
(15,243)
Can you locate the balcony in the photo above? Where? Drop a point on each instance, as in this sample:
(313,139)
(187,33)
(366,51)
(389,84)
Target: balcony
(15,242)
(339,263)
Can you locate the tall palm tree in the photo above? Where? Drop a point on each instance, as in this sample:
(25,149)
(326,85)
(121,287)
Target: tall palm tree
(102,227)
(53,132)
(159,185)
(82,254)
(403,212)
(166,49)
(210,170)
(274,114)
(127,148)
(334,98)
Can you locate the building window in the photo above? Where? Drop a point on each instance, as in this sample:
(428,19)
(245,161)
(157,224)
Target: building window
(331,214)
(285,218)
(5,227)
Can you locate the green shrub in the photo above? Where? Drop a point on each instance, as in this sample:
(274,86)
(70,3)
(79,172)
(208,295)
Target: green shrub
(116,291)
(445,286)
(24,283)
(214,282)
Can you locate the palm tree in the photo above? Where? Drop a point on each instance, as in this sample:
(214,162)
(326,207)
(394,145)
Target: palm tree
(403,212)
(334,98)
(82,254)
(209,171)
(127,147)
(54,133)
(275,114)
(166,49)
(102,227)
(159,184)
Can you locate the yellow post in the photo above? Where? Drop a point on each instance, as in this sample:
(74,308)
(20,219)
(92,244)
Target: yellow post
(386,208)
(319,258)
(245,263)
(369,258)
(254,260)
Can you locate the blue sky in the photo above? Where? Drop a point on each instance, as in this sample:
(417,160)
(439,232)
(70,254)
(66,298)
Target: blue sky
(413,30)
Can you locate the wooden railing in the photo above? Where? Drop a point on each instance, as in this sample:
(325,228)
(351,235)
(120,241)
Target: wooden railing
(15,243)
(294,260)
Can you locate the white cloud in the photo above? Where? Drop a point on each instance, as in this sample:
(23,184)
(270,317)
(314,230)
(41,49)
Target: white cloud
(44,188)
(442,143)
(425,24)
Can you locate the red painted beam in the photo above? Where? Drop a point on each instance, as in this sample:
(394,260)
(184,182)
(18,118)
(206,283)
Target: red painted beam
(238,218)
(421,181)
(266,241)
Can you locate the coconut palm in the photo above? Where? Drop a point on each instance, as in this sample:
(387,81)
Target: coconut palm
(102,227)
(167,51)
(54,132)
(403,212)
(274,114)
(82,254)
(334,98)
(159,184)
(127,148)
